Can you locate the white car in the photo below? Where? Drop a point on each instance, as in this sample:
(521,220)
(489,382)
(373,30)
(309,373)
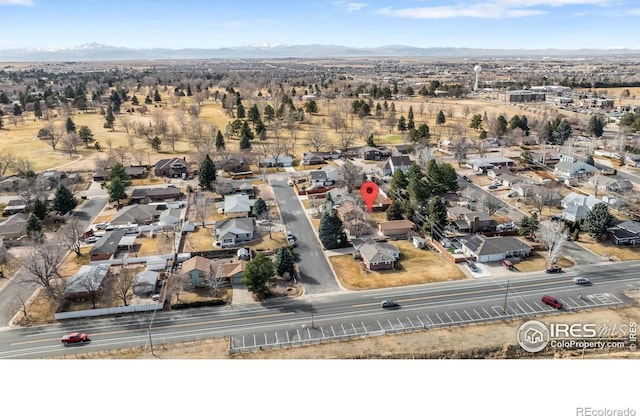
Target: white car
(91,240)
(265,222)
(101,225)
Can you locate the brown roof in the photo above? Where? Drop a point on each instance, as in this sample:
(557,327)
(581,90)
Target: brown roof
(396,225)
(196,263)
(226,269)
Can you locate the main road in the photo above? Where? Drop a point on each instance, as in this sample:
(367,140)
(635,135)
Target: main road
(343,315)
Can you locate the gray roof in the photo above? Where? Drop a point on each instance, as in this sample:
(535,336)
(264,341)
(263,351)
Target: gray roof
(630,226)
(108,243)
(482,246)
(146,278)
(376,252)
(142,193)
(135,214)
(87,279)
(234,226)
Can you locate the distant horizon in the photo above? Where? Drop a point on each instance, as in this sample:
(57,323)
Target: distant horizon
(201,24)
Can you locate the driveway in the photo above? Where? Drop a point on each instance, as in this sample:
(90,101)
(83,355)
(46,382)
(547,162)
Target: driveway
(315,273)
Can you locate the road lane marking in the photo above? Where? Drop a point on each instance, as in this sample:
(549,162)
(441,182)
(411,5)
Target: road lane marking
(439,319)
(470,318)
(430,321)
(488,314)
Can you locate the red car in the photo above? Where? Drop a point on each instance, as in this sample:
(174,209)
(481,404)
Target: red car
(75,338)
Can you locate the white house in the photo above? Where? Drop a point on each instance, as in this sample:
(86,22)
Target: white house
(233,231)
(237,205)
(571,170)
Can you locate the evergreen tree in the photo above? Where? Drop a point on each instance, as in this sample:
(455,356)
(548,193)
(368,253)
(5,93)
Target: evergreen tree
(261,130)
(561,132)
(109,119)
(246,131)
(595,127)
(240,113)
(189,92)
(449,178)
(529,226)
(119,171)
(245,144)
(370,141)
(34,227)
(134,100)
(269,113)
(402,124)
(37,109)
(590,160)
(311,107)
(85,134)
(259,207)
(70,126)
(410,122)
(394,212)
(502,126)
(331,230)
(64,201)
(440,119)
(597,220)
(156,143)
(254,115)
(116,190)
(39,209)
(476,122)
(207,174)
(437,215)
(284,261)
(156,96)
(259,275)
(399,181)
(219,141)
(147,100)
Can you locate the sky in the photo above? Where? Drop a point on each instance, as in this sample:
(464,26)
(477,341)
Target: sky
(494,24)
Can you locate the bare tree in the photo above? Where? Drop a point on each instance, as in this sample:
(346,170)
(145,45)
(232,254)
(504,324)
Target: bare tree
(5,258)
(553,236)
(125,123)
(120,154)
(41,262)
(121,284)
(346,140)
(215,280)
(460,149)
(336,120)
(172,138)
(365,130)
(160,124)
(203,206)
(6,161)
(317,139)
(490,203)
(70,143)
(138,156)
(355,222)
(276,126)
(70,235)
(391,121)
(32,189)
(51,134)
(351,175)
(175,284)
(597,183)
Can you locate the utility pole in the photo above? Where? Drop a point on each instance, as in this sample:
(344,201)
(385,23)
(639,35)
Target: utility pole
(504,307)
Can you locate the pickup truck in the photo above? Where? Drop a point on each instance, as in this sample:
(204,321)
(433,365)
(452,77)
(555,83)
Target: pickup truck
(75,338)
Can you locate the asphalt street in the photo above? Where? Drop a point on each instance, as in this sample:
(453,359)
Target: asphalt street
(315,273)
(339,316)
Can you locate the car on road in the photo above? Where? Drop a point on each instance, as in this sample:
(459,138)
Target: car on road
(75,338)
(551,301)
(507,264)
(581,281)
(291,242)
(101,225)
(553,269)
(466,178)
(389,303)
(493,186)
(289,182)
(91,240)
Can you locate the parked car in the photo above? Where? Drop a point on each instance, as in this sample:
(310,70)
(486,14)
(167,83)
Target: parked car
(507,264)
(473,266)
(291,242)
(556,218)
(466,178)
(389,303)
(551,301)
(265,222)
(493,187)
(92,239)
(554,269)
(581,281)
(75,338)
(101,225)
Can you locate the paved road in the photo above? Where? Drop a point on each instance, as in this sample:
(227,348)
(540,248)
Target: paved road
(341,315)
(18,288)
(315,273)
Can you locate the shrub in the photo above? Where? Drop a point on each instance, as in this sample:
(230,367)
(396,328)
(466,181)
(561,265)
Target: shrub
(199,304)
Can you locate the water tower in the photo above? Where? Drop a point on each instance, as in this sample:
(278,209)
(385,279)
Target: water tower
(477,69)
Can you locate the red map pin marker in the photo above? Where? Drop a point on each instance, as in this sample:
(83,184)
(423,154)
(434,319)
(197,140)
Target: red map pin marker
(369,191)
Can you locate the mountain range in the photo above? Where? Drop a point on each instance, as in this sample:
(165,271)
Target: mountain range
(98,52)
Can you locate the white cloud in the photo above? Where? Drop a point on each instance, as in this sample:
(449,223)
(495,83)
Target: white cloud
(487,11)
(352,7)
(495,9)
(16,2)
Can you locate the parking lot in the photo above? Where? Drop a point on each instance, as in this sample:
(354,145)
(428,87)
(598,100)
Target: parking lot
(402,320)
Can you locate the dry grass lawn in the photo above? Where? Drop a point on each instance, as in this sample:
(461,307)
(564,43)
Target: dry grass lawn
(608,250)
(147,246)
(537,262)
(415,267)
(199,240)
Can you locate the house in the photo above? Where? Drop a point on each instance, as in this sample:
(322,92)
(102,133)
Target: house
(625,233)
(396,228)
(53,177)
(136,172)
(136,214)
(310,158)
(402,162)
(144,284)
(14,206)
(631,159)
(404,149)
(235,163)
(87,282)
(107,246)
(146,195)
(577,199)
(234,186)
(510,180)
(198,270)
(457,212)
(486,249)
(13,227)
(170,217)
(173,167)
(319,178)
(573,169)
(612,184)
(490,163)
(233,231)
(100,176)
(235,206)
(545,158)
(283,161)
(374,153)
(474,222)
(377,256)
(11,184)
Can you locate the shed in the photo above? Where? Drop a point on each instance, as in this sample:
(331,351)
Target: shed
(418,242)
(156,263)
(145,283)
